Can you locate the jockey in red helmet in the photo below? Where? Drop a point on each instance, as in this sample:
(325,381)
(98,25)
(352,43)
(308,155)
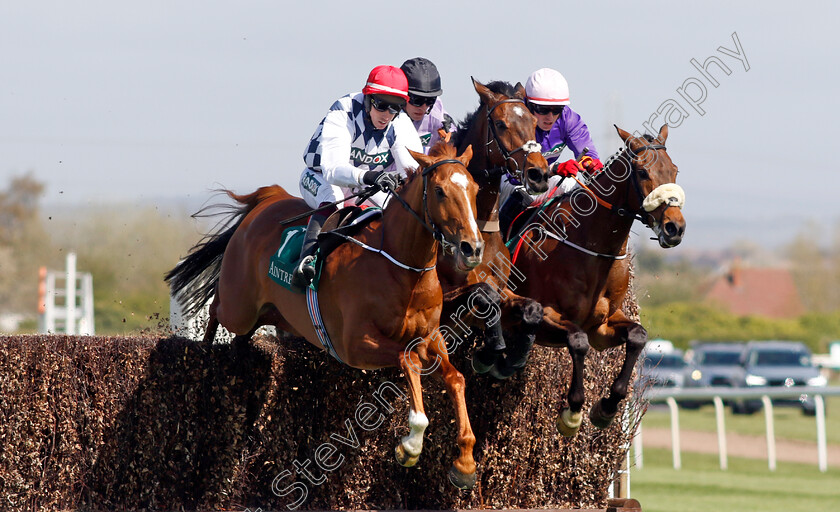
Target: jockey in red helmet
(362,141)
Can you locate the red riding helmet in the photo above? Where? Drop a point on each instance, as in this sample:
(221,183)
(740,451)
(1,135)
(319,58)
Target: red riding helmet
(387,80)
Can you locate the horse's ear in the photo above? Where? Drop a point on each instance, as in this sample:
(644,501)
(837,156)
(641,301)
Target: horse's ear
(421,158)
(487,96)
(466,156)
(663,134)
(623,134)
(520,91)
(631,142)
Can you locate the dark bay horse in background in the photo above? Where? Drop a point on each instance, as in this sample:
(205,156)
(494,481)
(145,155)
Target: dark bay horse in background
(378,314)
(573,255)
(502,132)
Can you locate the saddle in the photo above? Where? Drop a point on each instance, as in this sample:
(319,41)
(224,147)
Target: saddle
(343,223)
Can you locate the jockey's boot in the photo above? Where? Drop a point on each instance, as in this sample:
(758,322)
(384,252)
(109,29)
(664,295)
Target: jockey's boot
(515,204)
(305,271)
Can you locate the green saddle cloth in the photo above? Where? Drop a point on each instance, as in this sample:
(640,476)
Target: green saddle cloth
(284,261)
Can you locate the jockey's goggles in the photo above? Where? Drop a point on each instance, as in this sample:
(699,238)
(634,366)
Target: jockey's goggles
(382,105)
(546,109)
(419,101)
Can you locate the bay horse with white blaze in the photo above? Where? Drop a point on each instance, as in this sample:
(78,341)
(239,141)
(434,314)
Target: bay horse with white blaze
(381,308)
(503,131)
(574,253)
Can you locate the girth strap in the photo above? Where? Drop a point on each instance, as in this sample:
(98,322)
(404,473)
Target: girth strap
(318,323)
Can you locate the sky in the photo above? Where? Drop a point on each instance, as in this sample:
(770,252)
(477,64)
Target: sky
(162,101)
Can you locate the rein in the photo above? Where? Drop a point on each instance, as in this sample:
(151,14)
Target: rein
(622,211)
(437,234)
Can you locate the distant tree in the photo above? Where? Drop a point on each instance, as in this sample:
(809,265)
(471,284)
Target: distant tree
(659,281)
(24,244)
(834,271)
(127,250)
(810,269)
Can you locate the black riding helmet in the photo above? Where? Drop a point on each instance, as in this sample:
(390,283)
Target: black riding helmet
(423,77)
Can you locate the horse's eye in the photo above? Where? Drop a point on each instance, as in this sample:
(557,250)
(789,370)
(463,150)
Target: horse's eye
(643,173)
(440,193)
(501,125)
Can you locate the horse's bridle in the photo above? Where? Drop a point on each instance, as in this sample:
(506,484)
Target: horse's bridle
(624,211)
(437,234)
(529,147)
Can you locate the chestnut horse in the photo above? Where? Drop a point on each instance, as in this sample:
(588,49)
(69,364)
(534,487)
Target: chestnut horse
(503,130)
(381,306)
(574,253)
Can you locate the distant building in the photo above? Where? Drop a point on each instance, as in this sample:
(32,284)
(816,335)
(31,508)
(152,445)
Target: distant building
(761,291)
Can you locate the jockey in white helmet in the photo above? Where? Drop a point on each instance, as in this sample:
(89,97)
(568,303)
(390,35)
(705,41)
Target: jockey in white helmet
(558,127)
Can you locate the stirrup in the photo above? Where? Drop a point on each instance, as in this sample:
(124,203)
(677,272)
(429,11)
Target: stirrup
(304,273)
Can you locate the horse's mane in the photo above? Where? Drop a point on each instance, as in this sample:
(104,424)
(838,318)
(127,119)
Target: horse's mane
(497,86)
(441,149)
(444,149)
(618,154)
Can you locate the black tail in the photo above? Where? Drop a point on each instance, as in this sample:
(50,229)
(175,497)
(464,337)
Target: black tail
(193,280)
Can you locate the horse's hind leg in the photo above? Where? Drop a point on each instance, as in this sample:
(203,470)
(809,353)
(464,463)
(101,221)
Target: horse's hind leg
(212,321)
(462,472)
(619,329)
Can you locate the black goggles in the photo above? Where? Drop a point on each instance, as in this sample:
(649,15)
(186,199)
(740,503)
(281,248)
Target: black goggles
(383,105)
(419,101)
(546,109)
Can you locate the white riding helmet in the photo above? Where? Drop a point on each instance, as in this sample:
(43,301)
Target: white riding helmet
(547,87)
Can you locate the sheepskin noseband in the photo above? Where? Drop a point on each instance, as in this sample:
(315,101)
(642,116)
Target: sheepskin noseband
(669,193)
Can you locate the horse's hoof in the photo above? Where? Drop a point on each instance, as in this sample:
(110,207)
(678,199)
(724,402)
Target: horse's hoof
(404,458)
(597,416)
(502,371)
(569,422)
(460,480)
(479,367)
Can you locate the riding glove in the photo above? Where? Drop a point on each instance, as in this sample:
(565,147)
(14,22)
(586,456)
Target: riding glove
(385,181)
(591,164)
(565,169)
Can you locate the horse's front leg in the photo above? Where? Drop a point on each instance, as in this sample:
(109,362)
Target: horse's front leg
(478,307)
(462,472)
(521,317)
(410,446)
(554,331)
(618,330)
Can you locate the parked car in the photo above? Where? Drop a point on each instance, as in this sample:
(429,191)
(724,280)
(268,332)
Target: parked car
(661,368)
(777,363)
(712,364)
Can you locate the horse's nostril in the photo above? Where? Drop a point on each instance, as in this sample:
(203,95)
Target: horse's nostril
(535,174)
(670,229)
(466,249)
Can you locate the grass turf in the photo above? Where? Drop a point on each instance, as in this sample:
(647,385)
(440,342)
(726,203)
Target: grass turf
(747,485)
